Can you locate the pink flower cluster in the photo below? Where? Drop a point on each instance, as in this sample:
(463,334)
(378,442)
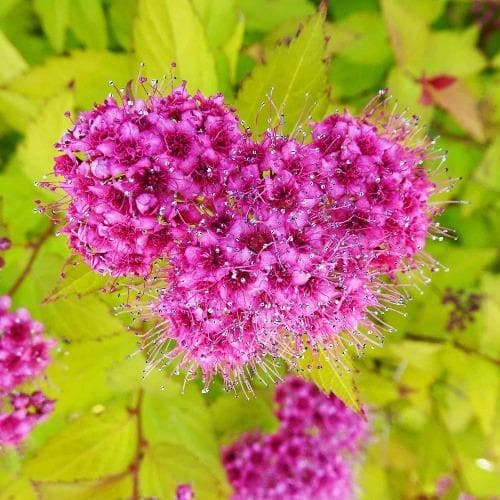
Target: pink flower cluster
(26,411)
(266,241)
(24,355)
(135,173)
(311,456)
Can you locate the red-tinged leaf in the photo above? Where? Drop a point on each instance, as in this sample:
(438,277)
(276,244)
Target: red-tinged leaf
(462,105)
(426,98)
(440,82)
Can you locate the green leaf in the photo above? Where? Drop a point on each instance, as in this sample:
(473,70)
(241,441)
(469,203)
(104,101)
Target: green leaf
(466,265)
(13,63)
(275,12)
(87,72)
(374,482)
(19,489)
(343,8)
(453,53)
(429,10)
(234,416)
(78,280)
(181,419)
(488,172)
(496,61)
(367,43)
(88,23)
(343,77)
(375,389)
(219,19)
(79,372)
(483,481)
(303,74)
(90,447)
(169,31)
(80,318)
(165,466)
(232,46)
(36,153)
(483,403)
(490,338)
(17,110)
(103,489)
(462,105)
(121,14)
(6,5)
(408,34)
(54,15)
(330,376)
(18,194)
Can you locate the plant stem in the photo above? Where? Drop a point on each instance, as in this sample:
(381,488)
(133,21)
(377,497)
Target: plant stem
(454,343)
(35,249)
(141,443)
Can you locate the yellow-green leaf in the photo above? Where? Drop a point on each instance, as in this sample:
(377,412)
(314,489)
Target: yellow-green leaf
(463,60)
(330,376)
(89,23)
(169,31)
(13,62)
(105,488)
(408,34)
(36,153)
(462,105)
(19,489)
(364,38)
(90,447)
(78,376)
(234,416)
(17,110)
(54,15)
(165,466)
(78,280)
(219,19)
(232,46)
(484,403)
(182,420)
(265,15)
(87,72)
(290,74)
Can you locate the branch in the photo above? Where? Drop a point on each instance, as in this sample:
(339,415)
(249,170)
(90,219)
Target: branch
(454,343)
(141,444)
(35,249)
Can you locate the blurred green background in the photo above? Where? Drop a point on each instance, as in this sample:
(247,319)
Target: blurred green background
(433,389)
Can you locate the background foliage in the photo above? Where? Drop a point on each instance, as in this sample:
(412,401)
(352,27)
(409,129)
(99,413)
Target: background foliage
(433,389)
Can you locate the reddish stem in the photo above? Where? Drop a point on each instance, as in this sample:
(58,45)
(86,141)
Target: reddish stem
(35,249)
(141,443)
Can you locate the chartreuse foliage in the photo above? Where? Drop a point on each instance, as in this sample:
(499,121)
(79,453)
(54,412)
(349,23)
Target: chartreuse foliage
(431,392)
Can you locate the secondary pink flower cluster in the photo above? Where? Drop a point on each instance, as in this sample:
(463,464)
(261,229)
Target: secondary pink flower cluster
(24,355)
(266,241)
(26,411)
(311,456)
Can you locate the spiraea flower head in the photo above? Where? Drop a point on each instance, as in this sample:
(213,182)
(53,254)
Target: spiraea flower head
(24,355)
(24,351)
(310,240)
(20,414)
(135,170)
(312,455)
(261,242)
